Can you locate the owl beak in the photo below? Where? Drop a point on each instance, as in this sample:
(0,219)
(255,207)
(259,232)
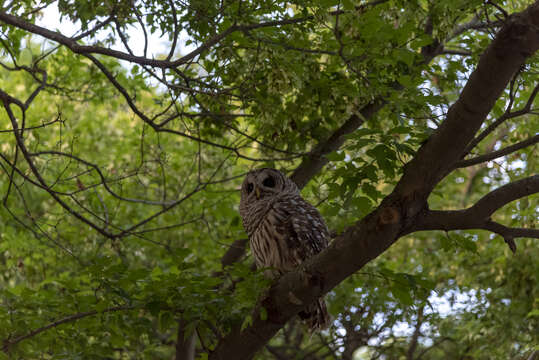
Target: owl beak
(257,191)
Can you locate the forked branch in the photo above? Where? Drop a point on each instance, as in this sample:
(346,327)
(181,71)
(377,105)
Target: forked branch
(508,114)
(479,215)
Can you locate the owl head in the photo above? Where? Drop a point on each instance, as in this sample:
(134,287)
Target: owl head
(263,184)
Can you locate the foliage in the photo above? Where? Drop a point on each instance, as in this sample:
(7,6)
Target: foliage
(118,210)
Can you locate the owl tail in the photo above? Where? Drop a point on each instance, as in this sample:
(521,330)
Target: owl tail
(316,315)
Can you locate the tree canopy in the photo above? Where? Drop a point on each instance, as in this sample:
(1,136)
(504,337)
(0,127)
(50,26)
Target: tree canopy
(411,125)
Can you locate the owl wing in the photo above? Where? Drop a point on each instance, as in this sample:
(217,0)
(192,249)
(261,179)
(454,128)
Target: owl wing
(305,232)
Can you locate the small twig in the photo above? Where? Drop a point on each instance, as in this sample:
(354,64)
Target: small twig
(506,116)
(499,153)
(500,9)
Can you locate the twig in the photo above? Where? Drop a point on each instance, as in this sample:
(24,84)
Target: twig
(499,153)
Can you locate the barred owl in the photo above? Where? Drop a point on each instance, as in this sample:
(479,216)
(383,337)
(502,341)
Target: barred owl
(284,230)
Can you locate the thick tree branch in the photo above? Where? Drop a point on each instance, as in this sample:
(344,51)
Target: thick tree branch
(234,252)
(370,237)
(499,153)
(478,216)
(480,212)
(503,195)
(185,344)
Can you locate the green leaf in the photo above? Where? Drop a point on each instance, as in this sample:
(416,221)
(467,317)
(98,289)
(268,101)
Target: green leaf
(156,273)
(348,5)
(263,314)
(466,243)
(101,306)
(25,58)
(248,321)
(371,172)
(166,321)
(402,294)
(420,41)
(399,130)
(154,307)
(371,191)
(446,243)
(362,132)
(336,156)
(363,204)
(406,81)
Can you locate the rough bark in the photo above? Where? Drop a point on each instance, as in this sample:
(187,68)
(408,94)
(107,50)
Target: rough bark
(370,237)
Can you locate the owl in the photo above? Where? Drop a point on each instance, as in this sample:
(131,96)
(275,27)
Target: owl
(284,230)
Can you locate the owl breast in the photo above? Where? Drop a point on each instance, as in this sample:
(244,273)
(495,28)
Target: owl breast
(290,231)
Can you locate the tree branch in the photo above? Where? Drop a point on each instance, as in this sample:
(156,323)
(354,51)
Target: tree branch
(498,153)
(7,101)
(503,195)
(509,234)
(74,46)
(478,216)
(315,160)
(234,252)
(185,344)
(460,52)
(371,236)
(506,116)
(480,212)
(417,332)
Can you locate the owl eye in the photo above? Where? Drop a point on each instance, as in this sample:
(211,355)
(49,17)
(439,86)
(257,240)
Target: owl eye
(249,188)
(269,182)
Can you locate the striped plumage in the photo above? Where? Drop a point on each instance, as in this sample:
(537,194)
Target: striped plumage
(283,229)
